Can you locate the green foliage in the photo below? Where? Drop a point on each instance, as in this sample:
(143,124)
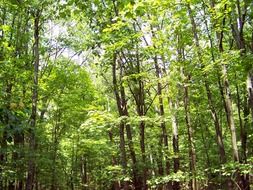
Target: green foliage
(142,97)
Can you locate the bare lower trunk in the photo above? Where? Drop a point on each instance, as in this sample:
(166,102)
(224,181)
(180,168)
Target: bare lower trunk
(136,178)
(250,91)
(229,113)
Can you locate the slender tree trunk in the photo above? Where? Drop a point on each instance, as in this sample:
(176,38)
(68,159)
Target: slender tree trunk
(250,90)
(227,97)
(192,153)
(164,135)
(140,110)
(243,135)
(32,143)
(121,125)
(237,29)
(246,113)
(218,130)
(19,144)
(140,106)
(175,143)
(229,113)
(136,179)
(173,106)
(84,175)
(3,156)
(123,111)
(219,138)
(123,153)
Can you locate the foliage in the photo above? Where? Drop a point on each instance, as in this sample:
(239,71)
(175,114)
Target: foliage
(145,94)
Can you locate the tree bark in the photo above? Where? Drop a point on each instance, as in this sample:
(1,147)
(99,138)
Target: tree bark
(250,91)
(192,153)
(164,134)
(121,125)
(32,140)
(229,113)
(140,110)
(136,178)
(139,97)
(215,118)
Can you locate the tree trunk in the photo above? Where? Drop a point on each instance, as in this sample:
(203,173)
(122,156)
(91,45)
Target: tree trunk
(218,130)
(164,134)
(84,176)
(250,91)
(140,110)
(136,178)
(229,113)
(175,142)
(32,142)
(3,156)
(192,153)
(18,143)
(139,94)
(246,113)
(121,125)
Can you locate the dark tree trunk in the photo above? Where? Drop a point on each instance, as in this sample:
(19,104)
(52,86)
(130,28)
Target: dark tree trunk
(121,125)
(2,156)
(140,110)
(136,178)
(19,144)
(32,141)
(84,175)
(138,93)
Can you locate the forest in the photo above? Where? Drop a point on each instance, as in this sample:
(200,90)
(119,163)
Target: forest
(126,94)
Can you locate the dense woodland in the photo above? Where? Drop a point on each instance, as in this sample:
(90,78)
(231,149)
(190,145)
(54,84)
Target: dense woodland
(126,94)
